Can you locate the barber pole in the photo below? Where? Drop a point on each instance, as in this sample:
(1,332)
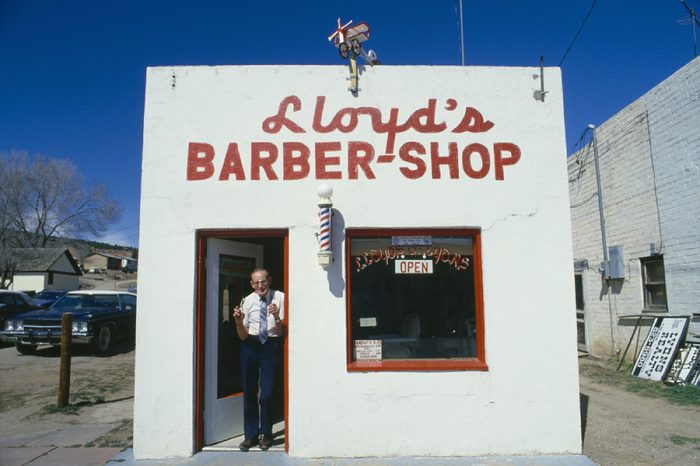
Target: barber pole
(325,205)
(324,232)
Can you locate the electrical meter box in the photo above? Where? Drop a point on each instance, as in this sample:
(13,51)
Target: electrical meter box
(617,262)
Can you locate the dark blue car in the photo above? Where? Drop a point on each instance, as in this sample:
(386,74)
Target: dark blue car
(99,318)
(15,302)
(46,298)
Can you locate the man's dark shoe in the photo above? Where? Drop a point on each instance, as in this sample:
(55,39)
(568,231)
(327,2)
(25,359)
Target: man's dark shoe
(247,443)
(265,442)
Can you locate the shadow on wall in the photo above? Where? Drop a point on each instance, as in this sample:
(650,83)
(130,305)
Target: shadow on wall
(584,415)
(613,286)
(334,272)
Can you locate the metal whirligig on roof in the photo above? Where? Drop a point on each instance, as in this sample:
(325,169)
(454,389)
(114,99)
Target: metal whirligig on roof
(348,40)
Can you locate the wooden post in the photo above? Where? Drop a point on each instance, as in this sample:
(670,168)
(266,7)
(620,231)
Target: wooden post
(353,73)
(64,380)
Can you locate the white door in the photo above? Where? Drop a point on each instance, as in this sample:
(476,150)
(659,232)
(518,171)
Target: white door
(581,330)
(228,266)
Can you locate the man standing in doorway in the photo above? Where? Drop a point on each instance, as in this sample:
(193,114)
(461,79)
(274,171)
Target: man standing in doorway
(259,326)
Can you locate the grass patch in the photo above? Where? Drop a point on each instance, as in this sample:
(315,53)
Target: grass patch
(606,372)
(680,440)
(109,382)
(85,397)
(54,409)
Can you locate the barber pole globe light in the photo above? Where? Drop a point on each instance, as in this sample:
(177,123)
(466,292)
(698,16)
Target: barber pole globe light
(325,205)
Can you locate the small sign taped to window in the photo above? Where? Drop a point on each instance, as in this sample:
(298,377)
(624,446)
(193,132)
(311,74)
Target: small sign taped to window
(368,350)
(368,321)
(416,267)
(411,240)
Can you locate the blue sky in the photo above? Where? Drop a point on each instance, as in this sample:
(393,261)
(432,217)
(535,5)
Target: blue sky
(72,73)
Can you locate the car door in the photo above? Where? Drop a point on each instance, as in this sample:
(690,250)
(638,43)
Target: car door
(128,310)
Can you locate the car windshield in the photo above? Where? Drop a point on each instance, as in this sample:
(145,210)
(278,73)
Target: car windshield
(80,301)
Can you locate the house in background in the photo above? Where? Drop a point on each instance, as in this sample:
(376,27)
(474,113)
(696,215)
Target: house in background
(45,269)
(101,261)
(649,157)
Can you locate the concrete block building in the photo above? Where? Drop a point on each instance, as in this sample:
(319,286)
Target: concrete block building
(649,158)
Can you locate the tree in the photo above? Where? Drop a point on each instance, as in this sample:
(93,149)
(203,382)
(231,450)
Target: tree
(43,198)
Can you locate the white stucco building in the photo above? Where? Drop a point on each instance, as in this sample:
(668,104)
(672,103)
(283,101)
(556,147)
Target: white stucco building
(449,301)
(650,176)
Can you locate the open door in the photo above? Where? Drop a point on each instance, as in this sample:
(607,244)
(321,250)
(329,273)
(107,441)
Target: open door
(228,267)
(582,341)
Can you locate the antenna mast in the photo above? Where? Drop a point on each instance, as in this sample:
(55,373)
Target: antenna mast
(693,21)
(461,30)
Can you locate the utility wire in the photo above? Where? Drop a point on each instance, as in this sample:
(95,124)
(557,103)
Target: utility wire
(578,32)
(580,139)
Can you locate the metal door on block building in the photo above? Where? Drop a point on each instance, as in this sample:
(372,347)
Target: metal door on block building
(228,267)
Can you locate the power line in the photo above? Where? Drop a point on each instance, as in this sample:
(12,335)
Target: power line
(693,21)
(578,32)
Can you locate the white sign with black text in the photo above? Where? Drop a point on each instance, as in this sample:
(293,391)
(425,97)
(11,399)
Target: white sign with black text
(660,346)
(368,350)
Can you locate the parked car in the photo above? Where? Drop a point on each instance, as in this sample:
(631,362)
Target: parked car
(15,302)
(99,318)
(131,289)
(46,298)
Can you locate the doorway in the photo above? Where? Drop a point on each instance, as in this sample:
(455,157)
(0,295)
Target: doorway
(581,327)
(225,261)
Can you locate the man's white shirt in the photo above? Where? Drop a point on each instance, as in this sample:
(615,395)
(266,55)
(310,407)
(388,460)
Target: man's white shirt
(251,309)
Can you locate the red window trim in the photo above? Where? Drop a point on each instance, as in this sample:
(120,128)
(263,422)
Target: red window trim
(453,364)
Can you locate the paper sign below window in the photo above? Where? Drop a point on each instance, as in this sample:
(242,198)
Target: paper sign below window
(413,266)
(368,350)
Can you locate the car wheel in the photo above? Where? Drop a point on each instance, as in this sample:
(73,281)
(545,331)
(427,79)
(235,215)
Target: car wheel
(104,339)
(25,348)
(355,45)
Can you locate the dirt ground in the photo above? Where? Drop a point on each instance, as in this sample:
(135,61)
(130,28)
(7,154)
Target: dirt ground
(101,392)
(621,427)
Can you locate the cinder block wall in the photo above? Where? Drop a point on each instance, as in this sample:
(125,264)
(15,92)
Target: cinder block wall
(631,221)
(674,119)
(650,175)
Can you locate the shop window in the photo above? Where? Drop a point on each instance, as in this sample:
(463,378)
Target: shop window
(654,281)
(414,300)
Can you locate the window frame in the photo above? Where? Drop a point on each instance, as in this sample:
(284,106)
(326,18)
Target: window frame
(646,298)
(477,363)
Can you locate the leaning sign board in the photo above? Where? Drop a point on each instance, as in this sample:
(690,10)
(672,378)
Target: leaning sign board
(685,367)
(660,346)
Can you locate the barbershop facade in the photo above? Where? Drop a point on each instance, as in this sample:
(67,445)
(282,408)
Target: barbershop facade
(419,229)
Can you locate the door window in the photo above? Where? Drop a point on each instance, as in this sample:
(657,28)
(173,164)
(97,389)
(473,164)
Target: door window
(234,273)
